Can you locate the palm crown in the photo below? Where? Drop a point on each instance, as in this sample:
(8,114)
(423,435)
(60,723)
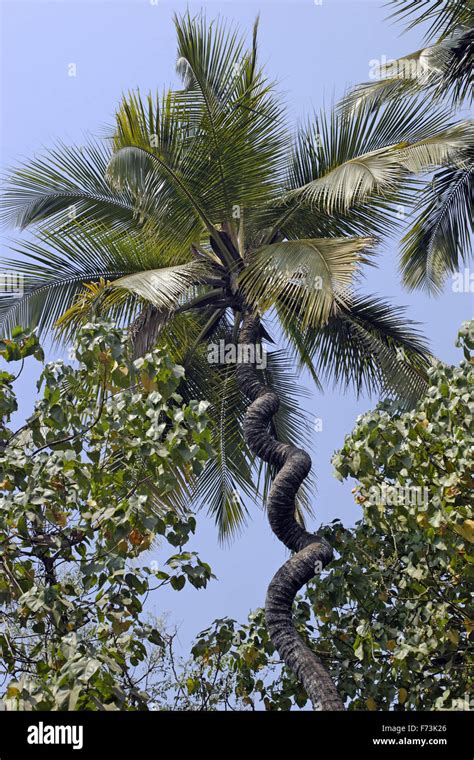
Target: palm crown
(204,204)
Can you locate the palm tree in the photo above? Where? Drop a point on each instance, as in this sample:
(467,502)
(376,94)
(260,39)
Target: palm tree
(205,219)
(440,238)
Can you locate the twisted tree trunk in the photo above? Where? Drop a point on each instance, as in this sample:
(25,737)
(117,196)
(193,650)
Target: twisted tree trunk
(312,552)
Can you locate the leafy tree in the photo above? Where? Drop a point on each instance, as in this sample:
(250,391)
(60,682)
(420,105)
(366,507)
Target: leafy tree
(206,210)
(236,667)
(393,618)
(77,524)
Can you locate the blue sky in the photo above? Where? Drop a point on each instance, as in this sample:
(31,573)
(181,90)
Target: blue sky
(315,52)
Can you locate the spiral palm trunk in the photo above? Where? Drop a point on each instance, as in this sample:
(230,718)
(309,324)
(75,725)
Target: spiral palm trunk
(311,552)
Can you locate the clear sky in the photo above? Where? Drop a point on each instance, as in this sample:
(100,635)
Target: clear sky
(315,51)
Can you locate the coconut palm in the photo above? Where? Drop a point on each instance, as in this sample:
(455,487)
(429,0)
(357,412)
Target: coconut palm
(204,219)
(440,238)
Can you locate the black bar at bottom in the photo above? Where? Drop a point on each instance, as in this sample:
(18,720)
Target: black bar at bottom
(136,735)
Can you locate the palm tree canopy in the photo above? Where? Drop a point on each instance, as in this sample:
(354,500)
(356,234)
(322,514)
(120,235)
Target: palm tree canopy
(205,203)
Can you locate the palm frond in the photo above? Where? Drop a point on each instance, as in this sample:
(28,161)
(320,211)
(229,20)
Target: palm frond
(385,169)
(53,268)
(93,299)
(147,327)
(166,287)
(227,482)
(442,16)
(440,70)
(349,173)
(368,345)
(66,185)
(155,124)
(233,111)
(312,272)
(160,189)
(441,236)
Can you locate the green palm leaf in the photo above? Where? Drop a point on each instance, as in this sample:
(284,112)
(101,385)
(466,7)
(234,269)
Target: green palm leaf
(384,169)
(233,110)
(54,268)
(441,236)
(165,288)
(66,185)
(312,272)
(442,70)
(351,170)
(227,482)
(369,345)
(443,16)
